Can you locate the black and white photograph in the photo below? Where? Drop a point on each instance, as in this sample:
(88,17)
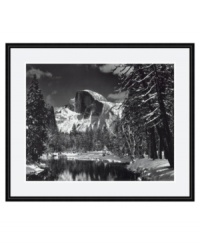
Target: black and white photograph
(100,122)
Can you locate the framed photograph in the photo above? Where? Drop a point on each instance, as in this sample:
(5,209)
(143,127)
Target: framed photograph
(100,122)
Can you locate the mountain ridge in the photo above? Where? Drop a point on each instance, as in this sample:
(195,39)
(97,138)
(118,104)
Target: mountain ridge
(88,109)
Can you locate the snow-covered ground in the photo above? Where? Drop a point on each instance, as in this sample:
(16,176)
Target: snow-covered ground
(33,169)
(158,169)
(95,156)
(88,156)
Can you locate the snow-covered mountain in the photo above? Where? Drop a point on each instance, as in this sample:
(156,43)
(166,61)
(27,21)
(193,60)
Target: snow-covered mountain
(87,109)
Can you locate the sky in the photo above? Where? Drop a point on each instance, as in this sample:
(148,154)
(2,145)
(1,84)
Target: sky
(60,82)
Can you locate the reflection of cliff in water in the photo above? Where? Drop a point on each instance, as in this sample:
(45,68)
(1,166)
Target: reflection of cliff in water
(64,170)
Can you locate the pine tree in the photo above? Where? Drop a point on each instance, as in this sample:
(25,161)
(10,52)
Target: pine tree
(117,142)
(52,129)
(97,140)
(89,136)
(106,142)
(74,130)
(51,121)
(73,137)
(149,106)
(36,120)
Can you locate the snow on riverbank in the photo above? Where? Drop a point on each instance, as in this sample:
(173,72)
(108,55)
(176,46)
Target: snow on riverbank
(148,169)
(96,156)
(32,168)
(158,169)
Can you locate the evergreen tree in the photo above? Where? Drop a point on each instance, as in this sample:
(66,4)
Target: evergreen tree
(36,121)
(106,138)
(89,135)
(148,110)
(73,137)
(74,130)
(51,121)
(52,129)
(97,140)
(119,142)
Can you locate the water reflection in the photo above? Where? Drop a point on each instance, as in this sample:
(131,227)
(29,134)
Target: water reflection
(65,170)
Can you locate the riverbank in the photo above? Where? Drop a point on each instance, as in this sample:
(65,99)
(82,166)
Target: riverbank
(105,156)
(147,169)
(33,168)
(154,170)
(93,156)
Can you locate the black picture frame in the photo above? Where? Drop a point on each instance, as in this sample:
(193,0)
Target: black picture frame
(189,46)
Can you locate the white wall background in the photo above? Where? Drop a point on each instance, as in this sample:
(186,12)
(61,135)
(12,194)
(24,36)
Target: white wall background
(98,223)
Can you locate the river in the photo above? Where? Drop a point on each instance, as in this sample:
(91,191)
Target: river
(67,170)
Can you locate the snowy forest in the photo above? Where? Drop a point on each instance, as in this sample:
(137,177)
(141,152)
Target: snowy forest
(144,128)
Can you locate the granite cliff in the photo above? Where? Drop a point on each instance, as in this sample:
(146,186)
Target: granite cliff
(87,109)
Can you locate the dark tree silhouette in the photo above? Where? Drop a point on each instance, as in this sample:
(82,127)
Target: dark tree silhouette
(36,122)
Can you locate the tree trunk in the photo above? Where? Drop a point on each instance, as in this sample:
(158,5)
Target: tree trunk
(130,142)
(168,136)
(153,152)
(161,143)
(160,149)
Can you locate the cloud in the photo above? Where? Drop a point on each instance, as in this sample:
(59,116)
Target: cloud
(118,97)
(108,68)
(38,73)
(116,69)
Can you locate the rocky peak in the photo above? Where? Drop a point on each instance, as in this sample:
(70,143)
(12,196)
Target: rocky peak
(87,109)
(89,103)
